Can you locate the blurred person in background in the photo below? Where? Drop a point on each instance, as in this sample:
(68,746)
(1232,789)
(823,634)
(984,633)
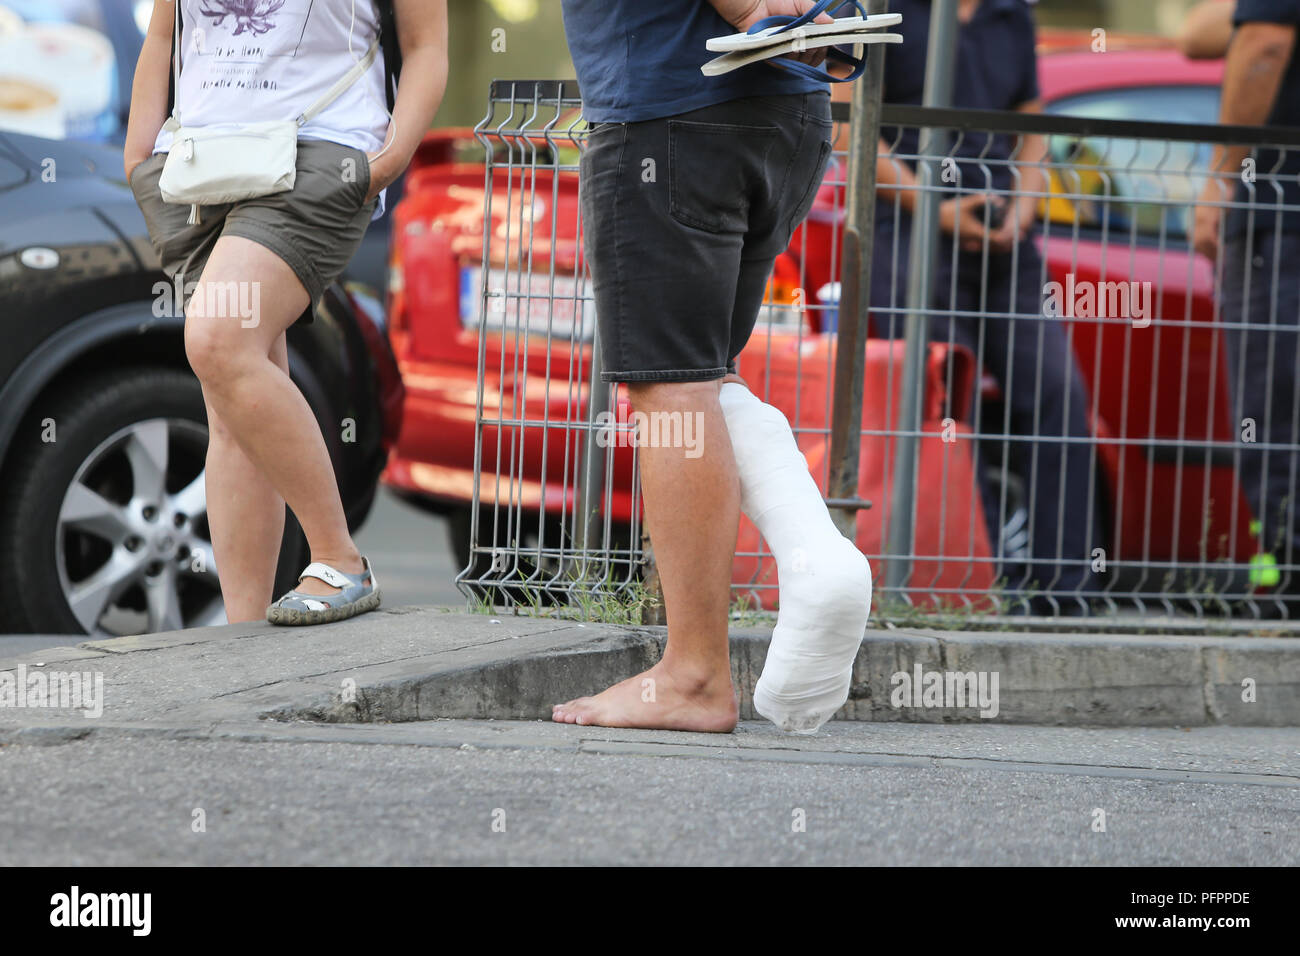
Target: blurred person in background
(1257,247)
(1001,181)
(1207,30)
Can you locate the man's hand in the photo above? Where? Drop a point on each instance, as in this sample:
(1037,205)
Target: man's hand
(1016,226)
(742,14)
(1208,219)
(964,217)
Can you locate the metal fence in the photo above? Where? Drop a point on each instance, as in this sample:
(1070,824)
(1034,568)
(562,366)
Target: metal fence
(1089,420)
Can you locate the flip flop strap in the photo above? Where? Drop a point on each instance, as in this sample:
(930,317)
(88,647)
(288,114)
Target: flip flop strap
(840,54)
(788,23)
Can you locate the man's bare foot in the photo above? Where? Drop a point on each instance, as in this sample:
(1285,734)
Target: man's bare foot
(657,700)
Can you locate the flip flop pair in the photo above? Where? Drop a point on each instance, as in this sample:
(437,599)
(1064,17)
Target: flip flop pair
(775,38)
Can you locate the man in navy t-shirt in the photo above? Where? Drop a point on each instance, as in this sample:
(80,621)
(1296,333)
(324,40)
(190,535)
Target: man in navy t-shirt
(997,187)
(690,187)
(1259,243)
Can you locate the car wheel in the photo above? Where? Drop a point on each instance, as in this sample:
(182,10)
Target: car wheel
(105,531)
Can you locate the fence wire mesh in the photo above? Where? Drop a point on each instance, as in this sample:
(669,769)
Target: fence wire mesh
(1108,421)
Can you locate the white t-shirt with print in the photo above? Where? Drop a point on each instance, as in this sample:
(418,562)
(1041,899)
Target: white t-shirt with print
(248,61)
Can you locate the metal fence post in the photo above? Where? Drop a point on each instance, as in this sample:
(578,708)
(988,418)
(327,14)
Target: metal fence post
(855,298)
(941,53)
(591,493)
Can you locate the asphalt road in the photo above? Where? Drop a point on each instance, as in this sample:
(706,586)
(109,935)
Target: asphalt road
(505,792)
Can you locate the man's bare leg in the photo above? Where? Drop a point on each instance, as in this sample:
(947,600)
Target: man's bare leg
(692,507)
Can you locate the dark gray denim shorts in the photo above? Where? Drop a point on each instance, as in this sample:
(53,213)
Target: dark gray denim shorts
(315,227)
(683,218)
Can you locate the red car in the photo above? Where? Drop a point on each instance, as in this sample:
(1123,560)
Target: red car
(1156,499)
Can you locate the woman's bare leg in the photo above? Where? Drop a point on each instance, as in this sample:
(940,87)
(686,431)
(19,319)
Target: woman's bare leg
(245,516)
(254,297)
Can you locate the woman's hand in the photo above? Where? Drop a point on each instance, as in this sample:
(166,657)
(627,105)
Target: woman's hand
(384,169)
(130,161)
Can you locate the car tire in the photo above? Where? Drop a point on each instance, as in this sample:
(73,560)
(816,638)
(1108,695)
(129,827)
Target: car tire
(60,545)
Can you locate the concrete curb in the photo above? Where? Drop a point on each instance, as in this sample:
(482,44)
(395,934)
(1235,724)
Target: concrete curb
(1076,680)
(407,664)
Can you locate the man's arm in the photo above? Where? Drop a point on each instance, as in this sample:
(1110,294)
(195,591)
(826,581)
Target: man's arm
(1030,181)
(1207,30)
(895,181)
(1252,76)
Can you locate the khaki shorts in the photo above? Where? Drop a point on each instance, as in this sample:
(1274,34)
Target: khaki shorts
(314,227)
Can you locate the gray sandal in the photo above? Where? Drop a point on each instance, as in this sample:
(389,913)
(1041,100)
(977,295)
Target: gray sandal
(357,594)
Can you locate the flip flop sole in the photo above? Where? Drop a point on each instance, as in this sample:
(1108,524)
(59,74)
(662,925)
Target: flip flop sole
(734,61)
(295,616)
(773,35)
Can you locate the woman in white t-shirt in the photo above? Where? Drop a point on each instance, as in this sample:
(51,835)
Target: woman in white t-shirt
(250,269)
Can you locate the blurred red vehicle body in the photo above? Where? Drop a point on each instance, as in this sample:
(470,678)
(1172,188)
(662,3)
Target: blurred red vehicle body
(438,246)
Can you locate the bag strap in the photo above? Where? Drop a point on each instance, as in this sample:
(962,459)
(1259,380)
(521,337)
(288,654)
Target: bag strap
(343,82)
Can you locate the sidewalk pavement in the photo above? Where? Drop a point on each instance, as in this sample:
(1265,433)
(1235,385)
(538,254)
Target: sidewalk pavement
(417,735)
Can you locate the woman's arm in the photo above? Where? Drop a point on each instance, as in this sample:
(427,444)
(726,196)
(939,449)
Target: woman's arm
(422,34)
(149,88)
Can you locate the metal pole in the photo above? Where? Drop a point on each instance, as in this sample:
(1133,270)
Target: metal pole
(939,63)
(591,492)
(855,300)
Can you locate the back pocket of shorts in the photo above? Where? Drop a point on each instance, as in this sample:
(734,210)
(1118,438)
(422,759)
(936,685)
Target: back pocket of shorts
(712,170)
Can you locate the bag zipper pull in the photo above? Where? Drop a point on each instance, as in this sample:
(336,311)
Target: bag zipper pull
(188,155)
(194,219)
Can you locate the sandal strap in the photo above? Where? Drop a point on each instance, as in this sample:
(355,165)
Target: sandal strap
(331,576)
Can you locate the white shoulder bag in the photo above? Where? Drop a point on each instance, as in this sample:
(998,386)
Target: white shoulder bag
(206,166)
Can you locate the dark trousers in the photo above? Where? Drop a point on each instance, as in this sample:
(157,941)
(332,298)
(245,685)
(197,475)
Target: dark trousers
(1042,390)
(1262,369)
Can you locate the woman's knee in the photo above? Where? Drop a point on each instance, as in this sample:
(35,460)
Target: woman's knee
(218,349)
